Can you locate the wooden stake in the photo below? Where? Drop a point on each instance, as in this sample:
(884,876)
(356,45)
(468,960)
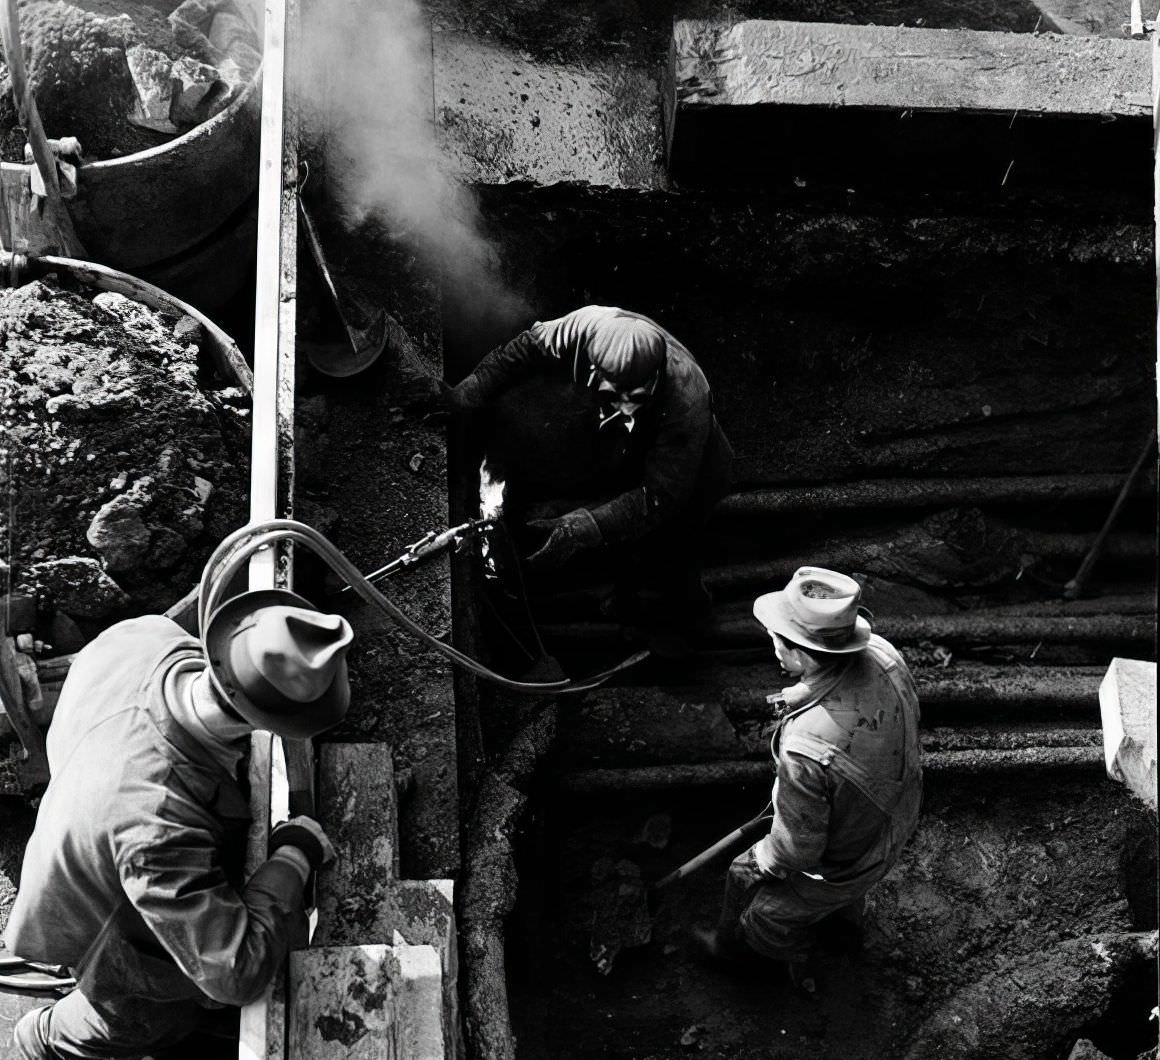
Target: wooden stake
(26,107)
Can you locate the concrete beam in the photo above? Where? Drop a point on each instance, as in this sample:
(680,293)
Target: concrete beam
(1128,709)
(815,64)
(907,111)
(365,1003)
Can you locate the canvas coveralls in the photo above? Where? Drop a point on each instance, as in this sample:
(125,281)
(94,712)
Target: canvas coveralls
(666,474)
(132,875)
(846,799)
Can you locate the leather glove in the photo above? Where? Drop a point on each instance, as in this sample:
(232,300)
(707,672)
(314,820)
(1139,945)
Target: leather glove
(306,834)
(763,858)
(570,534)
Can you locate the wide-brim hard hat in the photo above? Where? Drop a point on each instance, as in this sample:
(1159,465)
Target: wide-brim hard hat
(819,609)
(279,662)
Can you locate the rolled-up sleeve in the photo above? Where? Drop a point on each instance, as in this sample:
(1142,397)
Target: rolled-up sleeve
(229,944)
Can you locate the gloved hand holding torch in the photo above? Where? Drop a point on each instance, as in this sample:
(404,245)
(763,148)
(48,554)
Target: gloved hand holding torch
(569,535)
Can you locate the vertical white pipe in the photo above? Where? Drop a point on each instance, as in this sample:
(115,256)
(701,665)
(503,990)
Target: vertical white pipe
(260,1018)
(264,439)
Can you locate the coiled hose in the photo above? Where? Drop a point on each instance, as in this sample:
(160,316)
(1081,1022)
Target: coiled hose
(236,549)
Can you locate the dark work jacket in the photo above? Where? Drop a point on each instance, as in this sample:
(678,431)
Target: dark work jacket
(125,876)
(677,446)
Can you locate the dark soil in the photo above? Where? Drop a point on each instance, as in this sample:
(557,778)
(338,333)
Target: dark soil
(373,477)
(105,413)
(993,874)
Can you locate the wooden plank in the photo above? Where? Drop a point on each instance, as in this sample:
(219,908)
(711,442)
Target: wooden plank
(718,64)
(360,897)
(365,1003)
(358,809)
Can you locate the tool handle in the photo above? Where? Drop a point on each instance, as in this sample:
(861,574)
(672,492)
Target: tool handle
(746,830)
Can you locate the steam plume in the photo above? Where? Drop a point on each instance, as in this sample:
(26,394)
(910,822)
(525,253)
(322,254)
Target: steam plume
(371,69)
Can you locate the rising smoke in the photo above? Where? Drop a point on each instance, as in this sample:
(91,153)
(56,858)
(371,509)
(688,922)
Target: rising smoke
(369,72)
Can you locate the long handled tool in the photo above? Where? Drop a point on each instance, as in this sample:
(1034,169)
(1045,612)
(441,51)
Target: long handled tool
(747,831)
(1075,588)
(42,153)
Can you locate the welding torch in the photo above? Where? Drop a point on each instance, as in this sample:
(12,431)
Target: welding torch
(428,545)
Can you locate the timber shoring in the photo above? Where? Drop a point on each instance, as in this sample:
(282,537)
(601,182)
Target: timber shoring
(706,774)
(927,493)
(490,885)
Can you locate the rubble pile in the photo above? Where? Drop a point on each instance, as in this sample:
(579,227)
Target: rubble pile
(121,471)
(120,76)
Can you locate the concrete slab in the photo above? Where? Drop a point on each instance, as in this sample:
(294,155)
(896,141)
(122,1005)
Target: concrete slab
(717,64)
(504,118)
(908,111)
(1128,712)
(365,1003)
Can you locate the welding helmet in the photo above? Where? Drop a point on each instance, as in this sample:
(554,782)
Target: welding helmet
(818,609)
(279,663)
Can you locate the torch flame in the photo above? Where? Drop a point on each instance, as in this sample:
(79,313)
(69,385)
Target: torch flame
(491,491)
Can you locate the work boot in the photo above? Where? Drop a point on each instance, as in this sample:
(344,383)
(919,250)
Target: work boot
(29,1035)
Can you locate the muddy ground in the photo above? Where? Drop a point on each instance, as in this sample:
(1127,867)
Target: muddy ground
(997,874)
(124,467)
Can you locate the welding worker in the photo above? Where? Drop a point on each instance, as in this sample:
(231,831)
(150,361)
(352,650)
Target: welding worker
(849,779)
(654,401)
(132,876)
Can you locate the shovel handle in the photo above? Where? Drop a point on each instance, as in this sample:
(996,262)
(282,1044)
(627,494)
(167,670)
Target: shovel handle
(744,832)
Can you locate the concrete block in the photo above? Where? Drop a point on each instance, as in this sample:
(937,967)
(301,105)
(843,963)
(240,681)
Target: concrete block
(817,64)
(795,105)
(365,1003)
(1128,715)
(504,118)
(422,912)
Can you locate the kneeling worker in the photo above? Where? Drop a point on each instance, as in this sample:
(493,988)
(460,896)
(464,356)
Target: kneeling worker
(665,460)
(849,776)
(132,876)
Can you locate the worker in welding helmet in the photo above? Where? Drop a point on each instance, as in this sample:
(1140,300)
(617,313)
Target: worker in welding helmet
(848,787)
(654,400)
(132,877)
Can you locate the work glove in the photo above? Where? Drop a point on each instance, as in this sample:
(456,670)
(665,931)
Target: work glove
(570,534)
(763,858)
(306,835)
